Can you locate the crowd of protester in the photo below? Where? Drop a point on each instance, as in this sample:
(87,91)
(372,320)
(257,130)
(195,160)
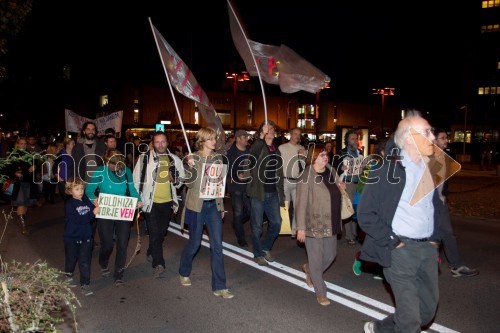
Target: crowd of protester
(265,173)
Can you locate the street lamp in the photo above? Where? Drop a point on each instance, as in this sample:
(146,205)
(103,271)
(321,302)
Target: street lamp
(383,92)
(236,77)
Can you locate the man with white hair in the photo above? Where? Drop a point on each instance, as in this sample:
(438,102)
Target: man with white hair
(397,211)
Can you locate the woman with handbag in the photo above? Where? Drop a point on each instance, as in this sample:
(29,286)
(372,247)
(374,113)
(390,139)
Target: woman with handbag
(318,217)
(114,177)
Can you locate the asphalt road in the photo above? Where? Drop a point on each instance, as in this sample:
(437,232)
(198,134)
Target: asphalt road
(270,299)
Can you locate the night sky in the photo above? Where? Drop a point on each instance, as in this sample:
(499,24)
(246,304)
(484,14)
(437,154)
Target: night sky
(422,49)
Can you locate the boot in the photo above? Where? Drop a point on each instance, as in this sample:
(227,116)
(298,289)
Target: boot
(22,224)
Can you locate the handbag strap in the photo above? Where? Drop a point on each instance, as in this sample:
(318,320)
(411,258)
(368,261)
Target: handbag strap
(143,173)
(127,192)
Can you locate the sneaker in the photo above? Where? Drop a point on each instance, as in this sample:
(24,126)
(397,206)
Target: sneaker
(356,267)
(464,271)
(261,261)
(105,272)
(322,300)
(69,280)
(86,291)
(119,282)
(185,281)
(149,258)
(268,256)
(159,270)
(369,327)
(351,242)
(308,276)
(224,293)
(243,244)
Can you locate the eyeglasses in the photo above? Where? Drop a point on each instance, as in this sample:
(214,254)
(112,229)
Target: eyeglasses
(426,132)
(443,138)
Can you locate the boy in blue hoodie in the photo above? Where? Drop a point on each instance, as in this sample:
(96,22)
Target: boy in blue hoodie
(78,212)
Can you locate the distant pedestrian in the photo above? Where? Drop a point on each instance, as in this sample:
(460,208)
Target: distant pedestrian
(237,157)
(266,191)
(349,165)
(65,166)
(78,213)
(440,163)
(293,155)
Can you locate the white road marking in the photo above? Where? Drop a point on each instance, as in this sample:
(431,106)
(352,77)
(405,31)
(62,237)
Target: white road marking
(275,269)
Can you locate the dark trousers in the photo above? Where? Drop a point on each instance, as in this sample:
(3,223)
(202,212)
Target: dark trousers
(413,277)
(49,191)
(61,186)
(81,252)
(157,222)
(448,237)
(107,228)
(241,213)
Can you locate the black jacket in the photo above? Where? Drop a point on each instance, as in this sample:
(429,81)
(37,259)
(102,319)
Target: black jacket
(377,207)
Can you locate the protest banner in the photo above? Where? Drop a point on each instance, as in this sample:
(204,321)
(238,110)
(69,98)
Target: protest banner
(116,207)
(213,181)
(74,122)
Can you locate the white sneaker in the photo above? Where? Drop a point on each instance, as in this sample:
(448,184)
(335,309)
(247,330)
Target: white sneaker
(369,327)
(86,291)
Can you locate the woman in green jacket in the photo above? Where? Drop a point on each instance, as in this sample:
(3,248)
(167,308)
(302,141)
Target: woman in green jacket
(113,178)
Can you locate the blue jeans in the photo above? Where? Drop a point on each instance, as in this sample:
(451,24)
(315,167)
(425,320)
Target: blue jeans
(270,206)
(81,252)
(210,217)
(241,213)
(107,228)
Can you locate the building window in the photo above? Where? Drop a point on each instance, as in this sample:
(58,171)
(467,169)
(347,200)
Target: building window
(488,91)
(250,112)
(459,136)
(225,117)
(136,111)
(103,100)
(490,28)
(490,3)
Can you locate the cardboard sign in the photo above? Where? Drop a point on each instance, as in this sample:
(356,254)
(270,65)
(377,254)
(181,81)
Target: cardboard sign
(116,207)
(213,181)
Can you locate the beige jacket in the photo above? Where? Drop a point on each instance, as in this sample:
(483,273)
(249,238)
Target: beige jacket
(193,183)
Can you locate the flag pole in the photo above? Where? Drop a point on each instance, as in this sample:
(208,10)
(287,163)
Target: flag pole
(253,58)
(170,86)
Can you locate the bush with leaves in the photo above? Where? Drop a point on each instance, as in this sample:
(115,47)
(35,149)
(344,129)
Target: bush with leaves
(33,297)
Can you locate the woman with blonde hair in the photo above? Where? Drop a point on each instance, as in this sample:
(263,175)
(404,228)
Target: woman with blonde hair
(318,218)
(114,177)
(199,212)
